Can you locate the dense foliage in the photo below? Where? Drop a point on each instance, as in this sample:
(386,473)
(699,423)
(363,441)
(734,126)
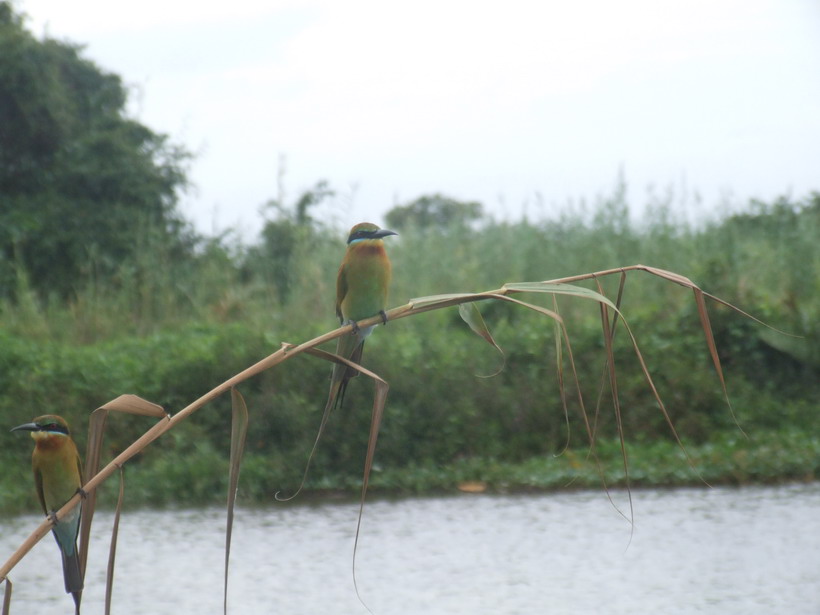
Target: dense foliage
(81,184)
(441,412)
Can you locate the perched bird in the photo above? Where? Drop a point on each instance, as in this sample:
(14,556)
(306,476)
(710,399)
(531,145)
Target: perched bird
(58,477)
(361,292)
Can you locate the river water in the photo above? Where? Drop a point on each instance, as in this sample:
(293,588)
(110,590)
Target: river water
(723,550)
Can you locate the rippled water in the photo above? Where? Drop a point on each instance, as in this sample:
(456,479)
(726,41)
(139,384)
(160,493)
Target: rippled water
(749,551)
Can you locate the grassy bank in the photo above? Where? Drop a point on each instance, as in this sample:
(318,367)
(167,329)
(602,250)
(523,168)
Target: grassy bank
(200,477)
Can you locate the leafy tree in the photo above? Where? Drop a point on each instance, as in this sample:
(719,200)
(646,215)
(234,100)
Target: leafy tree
(283,235)
(78,179)
(434,211)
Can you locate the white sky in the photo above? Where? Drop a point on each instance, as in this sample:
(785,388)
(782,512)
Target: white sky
(489,101)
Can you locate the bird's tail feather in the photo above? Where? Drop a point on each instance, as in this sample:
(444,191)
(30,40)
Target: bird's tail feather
(349,373)
(73,578)
(348,347)
(71,573)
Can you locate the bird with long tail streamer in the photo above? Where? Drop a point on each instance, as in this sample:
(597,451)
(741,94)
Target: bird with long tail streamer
(361,292)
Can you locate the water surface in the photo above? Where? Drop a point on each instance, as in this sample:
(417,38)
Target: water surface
(723,550)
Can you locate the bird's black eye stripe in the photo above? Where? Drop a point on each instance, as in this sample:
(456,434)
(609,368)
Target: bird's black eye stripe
(360,235)
(55,427)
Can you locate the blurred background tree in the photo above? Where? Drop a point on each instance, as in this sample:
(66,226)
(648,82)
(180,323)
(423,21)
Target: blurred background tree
(80,182)
(433,211)
(285,234)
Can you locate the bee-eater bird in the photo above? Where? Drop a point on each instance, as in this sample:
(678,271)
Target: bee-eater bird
(58,477)
(361,292)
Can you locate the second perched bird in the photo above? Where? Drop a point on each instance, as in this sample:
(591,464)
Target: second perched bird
(57,477)
(361,292)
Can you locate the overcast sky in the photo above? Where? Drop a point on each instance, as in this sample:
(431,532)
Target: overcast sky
(491,101)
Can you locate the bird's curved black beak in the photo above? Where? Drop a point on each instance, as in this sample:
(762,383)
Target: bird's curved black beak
(383,232)
(26,427)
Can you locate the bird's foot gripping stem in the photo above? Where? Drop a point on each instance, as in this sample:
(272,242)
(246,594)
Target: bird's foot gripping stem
(83,493)
(383,314)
